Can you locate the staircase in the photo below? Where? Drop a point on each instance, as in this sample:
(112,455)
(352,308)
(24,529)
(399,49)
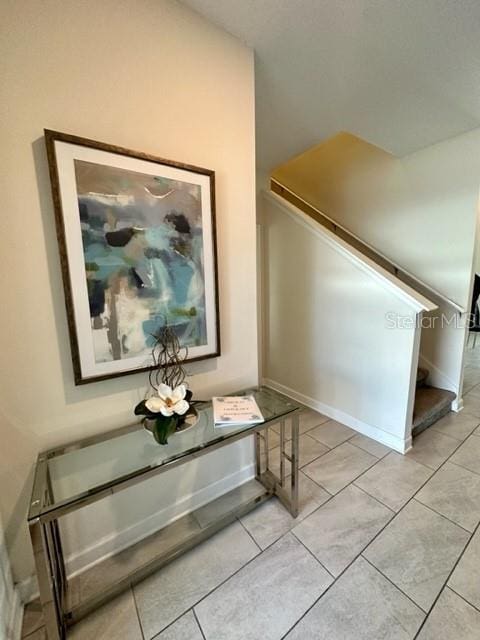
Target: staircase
(346,205)
(431,403)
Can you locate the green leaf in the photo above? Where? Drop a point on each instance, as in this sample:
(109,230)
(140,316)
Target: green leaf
(141,410)
(164,427)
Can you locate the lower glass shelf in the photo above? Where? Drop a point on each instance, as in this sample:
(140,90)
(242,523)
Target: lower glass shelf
(96,586)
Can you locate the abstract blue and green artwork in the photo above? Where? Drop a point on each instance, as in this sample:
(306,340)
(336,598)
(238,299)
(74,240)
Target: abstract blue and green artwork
(146,236)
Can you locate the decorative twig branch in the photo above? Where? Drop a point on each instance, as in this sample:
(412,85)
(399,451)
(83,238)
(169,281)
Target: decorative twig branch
(167,361)
(170,401)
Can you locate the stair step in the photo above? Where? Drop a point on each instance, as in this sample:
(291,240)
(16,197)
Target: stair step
(431,404)
(422,375)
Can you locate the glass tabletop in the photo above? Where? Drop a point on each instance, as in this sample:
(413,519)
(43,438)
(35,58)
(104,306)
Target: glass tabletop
(88,467)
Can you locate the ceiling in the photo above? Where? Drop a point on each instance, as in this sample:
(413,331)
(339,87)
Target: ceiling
(403,74)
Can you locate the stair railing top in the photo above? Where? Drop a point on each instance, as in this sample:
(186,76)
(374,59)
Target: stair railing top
(370,252)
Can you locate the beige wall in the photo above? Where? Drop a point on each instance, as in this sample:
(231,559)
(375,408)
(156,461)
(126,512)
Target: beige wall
(144,74)
(419,211)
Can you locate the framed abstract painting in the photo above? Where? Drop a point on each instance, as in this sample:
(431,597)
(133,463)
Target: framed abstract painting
(137,245)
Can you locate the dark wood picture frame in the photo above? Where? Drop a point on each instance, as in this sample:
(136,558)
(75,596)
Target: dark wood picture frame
(64,212)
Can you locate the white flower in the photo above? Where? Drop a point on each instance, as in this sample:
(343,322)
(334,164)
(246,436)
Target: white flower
(169,401)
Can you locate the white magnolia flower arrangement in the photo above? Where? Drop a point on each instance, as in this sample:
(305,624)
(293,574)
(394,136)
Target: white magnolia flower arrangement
(167,408)
(168,401)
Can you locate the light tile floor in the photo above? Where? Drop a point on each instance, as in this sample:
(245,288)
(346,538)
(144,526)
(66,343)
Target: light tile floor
(386,547)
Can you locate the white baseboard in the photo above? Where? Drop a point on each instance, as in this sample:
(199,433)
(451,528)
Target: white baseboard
(11,607)
(398,444)
(457,405)
(117,541)
(14,624)
(27,589)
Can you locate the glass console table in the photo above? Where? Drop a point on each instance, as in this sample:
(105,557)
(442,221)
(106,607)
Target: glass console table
(71,477)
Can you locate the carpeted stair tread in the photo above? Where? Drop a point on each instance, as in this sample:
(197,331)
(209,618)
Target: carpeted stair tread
(431,404)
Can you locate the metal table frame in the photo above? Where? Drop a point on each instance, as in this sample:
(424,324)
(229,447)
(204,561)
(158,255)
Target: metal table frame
(44,514)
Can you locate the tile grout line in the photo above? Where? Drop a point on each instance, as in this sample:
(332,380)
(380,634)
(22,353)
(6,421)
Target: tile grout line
(35,629)
(352,482)
(170,624)
(30,634)
(335,580)
(244,565)
(379,532)
(334,495)
(136,611)
(393,583)
(465,547)
(432,427)
(342,572)
(257,555)
(356,433)
(448,459)
(303,432)
(377,460)
(445,584)
(281,536)
(248,532)
(307,431)
(298,520)
(366,451)
(414,497)
(301,469)
(198,622)
(320,506)
(211,590)
(312,554)
(422,464)
(331,496)
(477,473)
(441,515)
(333,449)
(327,445)
(314,459)
(395,513)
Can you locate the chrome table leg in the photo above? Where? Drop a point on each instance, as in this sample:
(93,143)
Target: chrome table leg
(258,455)
(282,453)
(295,463)
(48,597)
(289,498)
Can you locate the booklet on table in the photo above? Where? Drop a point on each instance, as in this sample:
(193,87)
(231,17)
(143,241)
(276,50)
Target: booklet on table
(234,410)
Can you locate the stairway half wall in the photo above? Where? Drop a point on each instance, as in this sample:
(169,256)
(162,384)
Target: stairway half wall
(327,328)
